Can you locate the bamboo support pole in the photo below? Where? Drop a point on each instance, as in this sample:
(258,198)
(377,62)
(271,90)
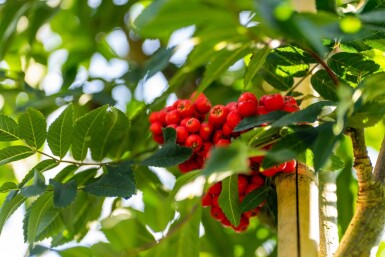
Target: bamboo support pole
(298,211)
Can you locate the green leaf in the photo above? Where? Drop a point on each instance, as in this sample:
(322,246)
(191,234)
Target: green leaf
(170,154)
(229,199)
(156,21)
(108,134)
(63,194)
(183,180)
(185,241)
(324,85)
(260,135)
(256,62)
(66,173)
(119,230)
(9,207)
(334,163)
(77,251)
(118,181)
(352,67)
(10,15)
(43,219)
(105,250)
(155,197)
(290,146)
(324,145)
(221,62)
(254,199)
(32,127)
(60,132)
(9,130)
(85,209)
(372,91)
(37,188)
(367,115)
(255,121)
(159,61)
(7,186)
(83,130)
(233,158)
(38,250)
(40,167)
(310,114)
(14,153)
(327,5)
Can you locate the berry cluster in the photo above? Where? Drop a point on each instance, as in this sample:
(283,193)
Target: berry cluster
(201,126)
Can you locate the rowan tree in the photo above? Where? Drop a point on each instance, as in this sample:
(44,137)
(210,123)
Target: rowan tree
(265,111)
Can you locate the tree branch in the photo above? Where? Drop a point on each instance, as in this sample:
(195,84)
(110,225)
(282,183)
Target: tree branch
(379,171)
(366,227)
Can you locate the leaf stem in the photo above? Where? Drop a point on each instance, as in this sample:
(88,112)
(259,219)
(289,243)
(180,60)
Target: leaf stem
(332,75)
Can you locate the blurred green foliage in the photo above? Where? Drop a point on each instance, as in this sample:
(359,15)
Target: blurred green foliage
(112,62)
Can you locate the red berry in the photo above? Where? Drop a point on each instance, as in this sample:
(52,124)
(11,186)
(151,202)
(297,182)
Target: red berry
(261,110)
(250,188)
(153,117)
(162,117)
(181,134)
(189,165)
(183,122)
(158,138)
(205,131)
(227,130)
(156,128)
(218,115)
(290,108)
(257,180)
(206,200)
(274,102)
(225,222)
(247,96)
(215,189)
(242,183)
(273,170)
(172,126)
(252,213)
(170,108)
(214,201)
(193,125)
(262,100)
(232,106)
(257,159)
(206,147)
(217,213)
(223,142)
(200,117)
(247,108)
(290,166)
(241,197)
(218,135)
(289,100)
(172,117)
(233,118)
(175,104)
(185,108)
(202,104)
(244,223)
(194,141)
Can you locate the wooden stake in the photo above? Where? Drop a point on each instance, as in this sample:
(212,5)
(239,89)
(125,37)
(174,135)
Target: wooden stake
(298,209)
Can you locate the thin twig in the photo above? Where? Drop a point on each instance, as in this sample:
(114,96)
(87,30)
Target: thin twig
(325,66)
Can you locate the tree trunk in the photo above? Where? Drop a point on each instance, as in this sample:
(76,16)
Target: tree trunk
(298,213)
